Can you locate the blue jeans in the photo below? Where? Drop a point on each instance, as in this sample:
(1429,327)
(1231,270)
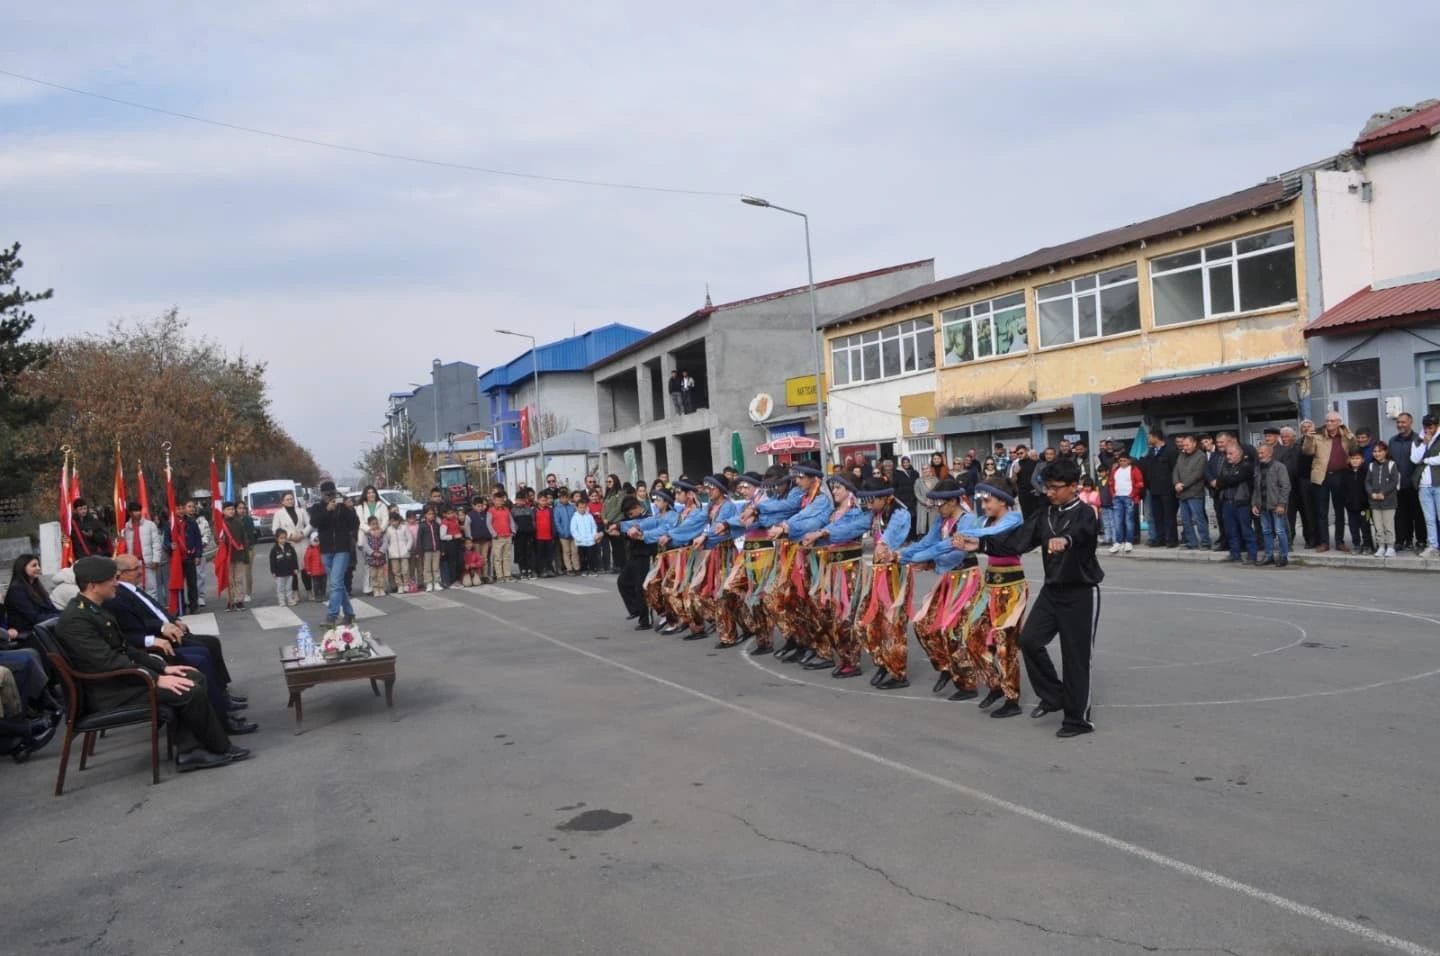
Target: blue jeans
(1430,506)
(1275,530)
(1197,526)
(1124,511)
(29,673)
(335,567)
(1107,521)
(1239,527)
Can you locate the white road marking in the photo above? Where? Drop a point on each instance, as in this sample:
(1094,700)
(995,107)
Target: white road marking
(273,617)
(496,592)
(427,600)
(203,624)
(364,609)
(563,587)
(1359,930)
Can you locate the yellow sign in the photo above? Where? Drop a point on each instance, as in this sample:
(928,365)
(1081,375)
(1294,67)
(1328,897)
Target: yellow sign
(801,390)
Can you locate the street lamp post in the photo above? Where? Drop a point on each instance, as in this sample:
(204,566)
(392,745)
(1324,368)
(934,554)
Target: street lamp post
(539,413)
(814,323)
(435,384)
(385,445)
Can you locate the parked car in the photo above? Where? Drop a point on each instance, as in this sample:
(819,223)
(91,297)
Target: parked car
(400,499)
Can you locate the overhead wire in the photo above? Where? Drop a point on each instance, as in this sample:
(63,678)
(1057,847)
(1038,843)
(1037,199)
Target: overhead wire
(361,150)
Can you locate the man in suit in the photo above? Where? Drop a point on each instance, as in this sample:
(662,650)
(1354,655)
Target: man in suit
(91,640)
(1158,469)
(144,624)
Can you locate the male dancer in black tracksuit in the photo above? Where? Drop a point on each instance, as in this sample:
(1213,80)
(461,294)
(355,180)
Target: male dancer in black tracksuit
(1069,603)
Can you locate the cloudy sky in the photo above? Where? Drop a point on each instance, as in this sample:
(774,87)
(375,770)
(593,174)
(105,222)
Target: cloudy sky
(966,131)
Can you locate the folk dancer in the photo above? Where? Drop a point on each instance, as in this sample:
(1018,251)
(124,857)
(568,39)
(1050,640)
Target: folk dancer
(1069,603)
(711,558)
(733,615)
(631,580)
(883,607)
(839,549)
(762,555)
(995,621)
(675,556)
(795,612)
(646,532)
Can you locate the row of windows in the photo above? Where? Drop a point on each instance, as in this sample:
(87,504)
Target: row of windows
(883,353)
(1241,275)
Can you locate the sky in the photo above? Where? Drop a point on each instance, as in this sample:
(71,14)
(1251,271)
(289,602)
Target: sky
(969,132)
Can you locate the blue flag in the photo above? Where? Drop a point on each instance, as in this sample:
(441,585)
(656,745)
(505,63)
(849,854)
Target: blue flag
(229,480)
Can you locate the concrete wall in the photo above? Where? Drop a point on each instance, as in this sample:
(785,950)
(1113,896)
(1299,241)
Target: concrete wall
(871,412)
(460,406)
(568,395)
(1399,352)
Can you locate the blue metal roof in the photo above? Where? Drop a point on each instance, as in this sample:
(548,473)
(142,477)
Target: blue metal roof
(574,354)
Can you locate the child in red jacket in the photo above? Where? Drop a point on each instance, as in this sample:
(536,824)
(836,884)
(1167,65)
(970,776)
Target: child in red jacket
(315,568)
(544,537)
(1126,487)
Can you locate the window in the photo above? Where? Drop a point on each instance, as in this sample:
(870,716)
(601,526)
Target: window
(993,327)
(1430,372)
(883,353)
(1255,272)
(1360,376)
(1093,306)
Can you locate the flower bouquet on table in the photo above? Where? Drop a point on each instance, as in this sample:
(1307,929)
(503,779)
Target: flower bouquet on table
(345,644)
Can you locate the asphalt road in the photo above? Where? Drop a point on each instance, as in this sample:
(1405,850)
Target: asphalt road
(1265,779)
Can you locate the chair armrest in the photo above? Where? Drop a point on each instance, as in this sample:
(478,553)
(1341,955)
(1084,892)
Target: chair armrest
(139,672)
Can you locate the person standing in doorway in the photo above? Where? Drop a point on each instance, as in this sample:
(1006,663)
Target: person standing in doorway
(687,392)
(677,402)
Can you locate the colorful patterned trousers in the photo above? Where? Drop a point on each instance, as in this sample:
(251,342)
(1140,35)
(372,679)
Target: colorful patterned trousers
(993,637)
(941,626)
(883,615)
(834,599)
(742,608)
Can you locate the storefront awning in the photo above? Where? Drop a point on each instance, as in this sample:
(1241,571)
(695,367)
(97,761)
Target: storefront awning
(1372,308)
(1196,384)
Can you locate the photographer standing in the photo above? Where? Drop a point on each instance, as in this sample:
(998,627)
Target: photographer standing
(337,526)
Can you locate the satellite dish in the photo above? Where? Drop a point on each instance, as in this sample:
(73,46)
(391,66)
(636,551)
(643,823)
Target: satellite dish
(762,406)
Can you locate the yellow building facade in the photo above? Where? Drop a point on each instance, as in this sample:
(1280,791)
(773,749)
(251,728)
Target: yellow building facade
(1149,323)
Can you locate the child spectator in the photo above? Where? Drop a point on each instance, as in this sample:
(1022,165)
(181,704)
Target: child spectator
(283,565)
(452,565)
(569,557)
(522,519)
(1107,503)
(1127,488)
(398,544)
(502,537)
(544,538)
(315,568)
(427,546)
(1382,485)
(1089,494)
(586,534)
(474,566)
(608,547)
(477,529)
(1357,503)
(373,540)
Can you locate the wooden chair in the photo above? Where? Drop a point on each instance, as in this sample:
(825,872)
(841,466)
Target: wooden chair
(89,723)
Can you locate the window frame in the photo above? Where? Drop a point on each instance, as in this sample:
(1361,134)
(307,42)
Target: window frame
(1094,290)
(902,338)
(980,317)
(1206,265)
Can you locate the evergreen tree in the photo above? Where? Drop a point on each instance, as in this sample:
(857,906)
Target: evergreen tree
(20,459)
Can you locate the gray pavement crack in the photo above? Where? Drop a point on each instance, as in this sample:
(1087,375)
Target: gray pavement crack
(948,904)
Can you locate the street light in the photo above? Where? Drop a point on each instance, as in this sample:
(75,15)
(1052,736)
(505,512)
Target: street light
(539,414)
(814,323)
(385,444)
(435,381)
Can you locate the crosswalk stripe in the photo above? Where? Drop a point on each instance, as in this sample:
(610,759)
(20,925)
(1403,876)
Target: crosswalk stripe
(203,624)
(563,587)
(428,601)
(364,609)
(271,618)
(497,593)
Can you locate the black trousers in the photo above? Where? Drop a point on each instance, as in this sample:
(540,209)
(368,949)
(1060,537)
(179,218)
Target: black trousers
(544,557)
(618,548)
(631,583)
(198,721)
(1330,494)
(192,586)
(1164,511)
(1222,538)
(1030,503)
(1409,520)
(1073,613)
(524,551)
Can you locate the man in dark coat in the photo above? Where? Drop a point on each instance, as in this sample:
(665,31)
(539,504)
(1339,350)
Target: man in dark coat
(1158,470)
(90,637)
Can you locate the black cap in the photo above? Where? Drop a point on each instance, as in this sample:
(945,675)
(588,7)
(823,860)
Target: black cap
(808,471)
(1429,420)
(842,481)
(327,487)
(750,478)
(93,570)
(1272,430)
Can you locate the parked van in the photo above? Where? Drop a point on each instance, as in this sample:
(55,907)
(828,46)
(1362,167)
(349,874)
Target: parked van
(264,497)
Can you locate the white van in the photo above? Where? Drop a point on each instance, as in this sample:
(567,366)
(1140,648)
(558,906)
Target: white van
(263,499)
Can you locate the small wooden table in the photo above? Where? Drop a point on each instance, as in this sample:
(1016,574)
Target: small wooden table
(300,676)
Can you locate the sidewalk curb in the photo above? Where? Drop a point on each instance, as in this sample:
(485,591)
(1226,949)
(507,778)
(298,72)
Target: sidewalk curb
(1303,559)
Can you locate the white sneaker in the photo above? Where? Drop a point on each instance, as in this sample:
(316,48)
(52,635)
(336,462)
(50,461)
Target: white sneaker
(1427,553)
(1389,552)
(1128,547)
(1115,548)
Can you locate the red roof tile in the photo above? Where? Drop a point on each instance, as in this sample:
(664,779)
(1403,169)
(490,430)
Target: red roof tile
(1195,384)
(1412,128)
(1397,305)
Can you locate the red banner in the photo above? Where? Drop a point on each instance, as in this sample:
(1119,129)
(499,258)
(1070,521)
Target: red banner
(525,427)
(67,554)
(178,554)
(122,506)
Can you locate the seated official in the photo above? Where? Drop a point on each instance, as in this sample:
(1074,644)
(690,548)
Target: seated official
(91,639)
(26,601)
(145,624)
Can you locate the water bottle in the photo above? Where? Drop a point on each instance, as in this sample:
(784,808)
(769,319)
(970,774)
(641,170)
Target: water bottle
(304,643)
